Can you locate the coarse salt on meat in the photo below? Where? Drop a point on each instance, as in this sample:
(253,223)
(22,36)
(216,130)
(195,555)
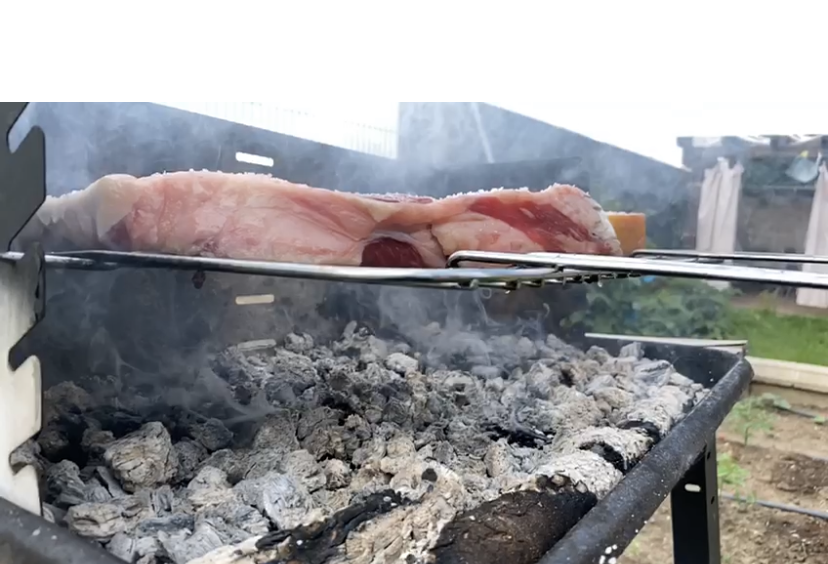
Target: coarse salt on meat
(559,219)
(250,216)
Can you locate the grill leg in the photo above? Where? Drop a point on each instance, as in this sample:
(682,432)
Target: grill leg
(694,504)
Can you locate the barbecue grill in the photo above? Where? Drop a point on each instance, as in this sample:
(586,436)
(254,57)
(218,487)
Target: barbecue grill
(682,463)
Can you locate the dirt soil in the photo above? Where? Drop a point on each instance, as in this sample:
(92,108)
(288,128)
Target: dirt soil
(771,468)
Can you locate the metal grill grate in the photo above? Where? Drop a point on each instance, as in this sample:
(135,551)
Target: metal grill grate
(531,270)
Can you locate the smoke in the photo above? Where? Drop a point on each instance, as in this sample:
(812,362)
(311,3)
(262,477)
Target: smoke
(157,333)
(154,327)
(85,141)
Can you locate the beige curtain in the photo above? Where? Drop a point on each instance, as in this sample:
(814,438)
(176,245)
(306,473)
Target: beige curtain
(719,211)
(816,242)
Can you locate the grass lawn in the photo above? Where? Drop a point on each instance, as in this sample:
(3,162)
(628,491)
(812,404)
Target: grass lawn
(783,337)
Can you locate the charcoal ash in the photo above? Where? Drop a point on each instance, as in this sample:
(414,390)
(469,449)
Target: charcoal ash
(301,444)
(583,471)
(143,459)
(623,448)
(658,411)
(320,540)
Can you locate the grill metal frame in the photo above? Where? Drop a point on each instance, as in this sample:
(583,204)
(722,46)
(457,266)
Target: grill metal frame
(686,456)
(25,537)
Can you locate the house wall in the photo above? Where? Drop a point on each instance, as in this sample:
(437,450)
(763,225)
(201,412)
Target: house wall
(441,135)
(769,220)
(774,221)
(774,209)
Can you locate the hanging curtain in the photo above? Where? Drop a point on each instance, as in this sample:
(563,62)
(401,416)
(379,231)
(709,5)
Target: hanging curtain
(719,211)
(816,242)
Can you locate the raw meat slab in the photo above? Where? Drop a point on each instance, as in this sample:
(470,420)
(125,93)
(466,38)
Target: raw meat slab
(249,216)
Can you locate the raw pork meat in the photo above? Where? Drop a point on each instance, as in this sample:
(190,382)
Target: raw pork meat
(248,216)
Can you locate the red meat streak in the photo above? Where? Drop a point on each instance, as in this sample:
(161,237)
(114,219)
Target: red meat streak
(548,224)
(389,252)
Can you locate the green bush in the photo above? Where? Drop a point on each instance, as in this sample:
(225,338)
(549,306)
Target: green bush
(671,307)
(658,308)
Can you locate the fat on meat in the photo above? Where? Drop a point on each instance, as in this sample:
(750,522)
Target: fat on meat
(251,216)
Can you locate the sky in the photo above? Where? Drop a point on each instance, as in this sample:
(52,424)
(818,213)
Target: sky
(650,131)
(653,132)
(648,124)
(636,74)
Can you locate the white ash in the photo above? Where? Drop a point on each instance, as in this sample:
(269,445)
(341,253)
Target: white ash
(142,459)
(657,412)
(623,448)
(103,520)
(583,470)
(377,442)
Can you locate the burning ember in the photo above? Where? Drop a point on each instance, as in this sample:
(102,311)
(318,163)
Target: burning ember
(359,449)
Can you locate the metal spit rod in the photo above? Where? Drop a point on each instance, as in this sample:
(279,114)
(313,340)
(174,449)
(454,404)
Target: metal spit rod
(523,270)
(700,256)
(696,266)
(445,278)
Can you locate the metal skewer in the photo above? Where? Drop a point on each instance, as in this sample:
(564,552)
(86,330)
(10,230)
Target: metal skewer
(721,257)
(579,266)
(522,270)
(446,278)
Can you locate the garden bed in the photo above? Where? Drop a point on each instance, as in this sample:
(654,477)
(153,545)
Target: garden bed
(785,462)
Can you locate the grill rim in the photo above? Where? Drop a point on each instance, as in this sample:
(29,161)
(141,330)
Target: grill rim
(26,538)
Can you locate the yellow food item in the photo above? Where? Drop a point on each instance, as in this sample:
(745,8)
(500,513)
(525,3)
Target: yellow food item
(631,230)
